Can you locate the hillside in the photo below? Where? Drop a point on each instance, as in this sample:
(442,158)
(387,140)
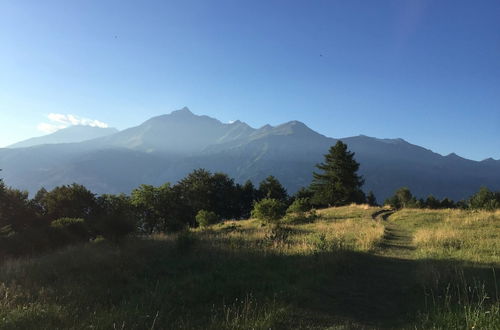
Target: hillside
(349,269)
(167,147)
(70,134)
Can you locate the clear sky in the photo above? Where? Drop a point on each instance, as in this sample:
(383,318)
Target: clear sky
(425,71)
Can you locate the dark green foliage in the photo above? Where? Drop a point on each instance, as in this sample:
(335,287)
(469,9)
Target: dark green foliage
(484,199)
(69,230)
(272,188)
(402,198)
(201,190)
(206,218)
(300,205)
(269,210)
(73,201)
(447,203)
(116,217)
(304,192)
(16,209)
(371,199)
(432,202)
(338,182)
(247,194)
(158,208)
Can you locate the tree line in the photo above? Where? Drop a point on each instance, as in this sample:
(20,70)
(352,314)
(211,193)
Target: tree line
(72,213)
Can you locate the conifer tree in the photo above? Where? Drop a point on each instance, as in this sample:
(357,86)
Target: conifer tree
(338,182)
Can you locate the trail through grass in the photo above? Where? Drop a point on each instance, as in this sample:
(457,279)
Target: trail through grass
(354,267)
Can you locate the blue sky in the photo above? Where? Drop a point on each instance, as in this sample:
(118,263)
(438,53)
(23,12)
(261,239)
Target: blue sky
(425,71)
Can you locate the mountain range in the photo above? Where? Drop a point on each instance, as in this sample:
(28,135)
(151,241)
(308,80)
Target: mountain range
(167,147)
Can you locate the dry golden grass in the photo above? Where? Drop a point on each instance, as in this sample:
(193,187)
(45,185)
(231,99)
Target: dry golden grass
(472,236)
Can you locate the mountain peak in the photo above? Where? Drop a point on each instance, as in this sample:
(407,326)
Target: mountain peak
(184,111)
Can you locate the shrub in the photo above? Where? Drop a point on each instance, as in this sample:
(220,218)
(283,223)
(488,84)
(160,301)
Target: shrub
(206,218)
(69,230)
(299,205)
(268,210)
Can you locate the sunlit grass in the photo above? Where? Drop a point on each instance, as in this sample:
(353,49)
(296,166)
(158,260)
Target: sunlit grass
(469,236)
(246,275)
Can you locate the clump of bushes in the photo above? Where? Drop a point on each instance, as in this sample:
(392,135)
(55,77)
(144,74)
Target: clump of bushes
(300,211)
(67,230)
(269,210)
(206,218)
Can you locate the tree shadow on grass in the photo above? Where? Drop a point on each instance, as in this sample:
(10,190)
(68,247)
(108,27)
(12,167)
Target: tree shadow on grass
(186,286)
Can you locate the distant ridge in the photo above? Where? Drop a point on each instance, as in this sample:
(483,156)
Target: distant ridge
(70,134)
(167,147)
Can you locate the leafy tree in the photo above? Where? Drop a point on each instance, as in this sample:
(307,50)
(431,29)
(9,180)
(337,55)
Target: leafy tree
(338,182)
(432,202)
(402,198)
(158,208)
(371,199)
(223,196)
(16,211)
(246,196)
(115,217)
(71,201)
(447,203)
(270,187)
(484,199)
(269,210)
(206,218)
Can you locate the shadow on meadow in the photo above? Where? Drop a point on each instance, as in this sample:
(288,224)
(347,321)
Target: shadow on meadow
(190,282)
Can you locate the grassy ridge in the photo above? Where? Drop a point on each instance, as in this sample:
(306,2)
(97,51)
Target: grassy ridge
(342,271)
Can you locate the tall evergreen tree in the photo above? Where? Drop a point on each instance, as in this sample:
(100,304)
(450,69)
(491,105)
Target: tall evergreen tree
(270,187)
(338,182)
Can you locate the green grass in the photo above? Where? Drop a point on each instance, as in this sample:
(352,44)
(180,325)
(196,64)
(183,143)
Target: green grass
(343,271)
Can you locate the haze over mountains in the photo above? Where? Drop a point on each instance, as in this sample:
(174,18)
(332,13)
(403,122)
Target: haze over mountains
(70,134)
(167,147)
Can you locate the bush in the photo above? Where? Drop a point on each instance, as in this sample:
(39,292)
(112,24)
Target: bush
(299,205)
(69,230)
(206,218)
(269,210)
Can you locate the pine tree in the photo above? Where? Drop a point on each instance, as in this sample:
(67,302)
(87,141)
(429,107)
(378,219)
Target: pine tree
(338,183)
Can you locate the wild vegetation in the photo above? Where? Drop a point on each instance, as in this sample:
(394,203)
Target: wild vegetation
(342,270)
(187,256)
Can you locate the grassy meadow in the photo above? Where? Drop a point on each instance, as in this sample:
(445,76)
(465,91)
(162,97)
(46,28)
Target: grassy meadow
(353,267)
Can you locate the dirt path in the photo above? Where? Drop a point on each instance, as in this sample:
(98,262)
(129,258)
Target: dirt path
(378,288)
(397,242)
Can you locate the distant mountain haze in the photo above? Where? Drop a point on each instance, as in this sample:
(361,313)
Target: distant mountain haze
(70,134)
(167,147)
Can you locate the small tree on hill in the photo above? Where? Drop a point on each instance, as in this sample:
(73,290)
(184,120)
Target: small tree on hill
(402,198)
(338,182)
(206,218)
(269,210)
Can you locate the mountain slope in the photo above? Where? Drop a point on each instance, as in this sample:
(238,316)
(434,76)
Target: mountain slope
(167,147)
(70,134)
(180,132)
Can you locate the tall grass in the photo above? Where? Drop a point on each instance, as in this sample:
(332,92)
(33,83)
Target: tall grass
(326,274)
(461,304)
(463,235)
